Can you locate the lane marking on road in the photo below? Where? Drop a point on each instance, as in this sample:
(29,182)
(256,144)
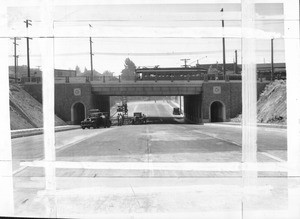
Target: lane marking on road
(239,145)
(65,146)
(19,169)
(271,156)
(239,126)
(59,149)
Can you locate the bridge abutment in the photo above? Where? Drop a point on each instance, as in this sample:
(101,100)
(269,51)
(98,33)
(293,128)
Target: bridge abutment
(223,100)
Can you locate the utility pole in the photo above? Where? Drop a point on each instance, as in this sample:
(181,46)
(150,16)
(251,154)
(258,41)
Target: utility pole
(15,56)
(272,60)
(223,40)
(91,55)
(236,62)
(28,22)
(180,103)
(185,61)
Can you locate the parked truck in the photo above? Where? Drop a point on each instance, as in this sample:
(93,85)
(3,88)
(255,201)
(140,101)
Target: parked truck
(96,119)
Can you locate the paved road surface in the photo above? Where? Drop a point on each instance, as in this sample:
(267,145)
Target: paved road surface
(146,190)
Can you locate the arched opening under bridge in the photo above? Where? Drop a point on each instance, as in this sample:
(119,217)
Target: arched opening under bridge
(77,113)
(217,112)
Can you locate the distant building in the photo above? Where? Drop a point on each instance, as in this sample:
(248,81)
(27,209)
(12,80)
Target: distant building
(64,73)
(22,71)
(266,67)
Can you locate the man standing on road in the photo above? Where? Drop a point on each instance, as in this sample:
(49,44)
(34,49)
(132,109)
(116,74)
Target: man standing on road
(144,118)
(123,119)
(118,119)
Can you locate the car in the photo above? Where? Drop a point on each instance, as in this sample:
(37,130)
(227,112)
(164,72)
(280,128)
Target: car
(139,118)
(176,111)
(120,109)
(96,119)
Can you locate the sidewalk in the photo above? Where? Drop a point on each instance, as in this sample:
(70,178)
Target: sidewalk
(265,125)
(37,131)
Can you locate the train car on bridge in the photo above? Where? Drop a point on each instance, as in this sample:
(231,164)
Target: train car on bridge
(191,73)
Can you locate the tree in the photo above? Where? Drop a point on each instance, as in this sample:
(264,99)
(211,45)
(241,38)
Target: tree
(77,69)
(107,73)
(85,70)
(128,72)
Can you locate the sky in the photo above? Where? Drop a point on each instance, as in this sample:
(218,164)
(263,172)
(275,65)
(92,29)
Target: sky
(149,34)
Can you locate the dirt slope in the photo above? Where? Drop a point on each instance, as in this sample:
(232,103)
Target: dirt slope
(25,111)
(271,106)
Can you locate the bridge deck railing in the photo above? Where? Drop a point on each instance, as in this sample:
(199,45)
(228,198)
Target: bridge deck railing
(111,79)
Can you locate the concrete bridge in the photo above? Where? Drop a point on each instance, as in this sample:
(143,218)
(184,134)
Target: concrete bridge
(204,101)
(147,88)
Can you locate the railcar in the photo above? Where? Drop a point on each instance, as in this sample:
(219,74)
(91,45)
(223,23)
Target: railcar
(193,73)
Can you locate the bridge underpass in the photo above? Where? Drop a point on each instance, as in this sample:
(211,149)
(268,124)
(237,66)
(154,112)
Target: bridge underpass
(191,91)
(160,110)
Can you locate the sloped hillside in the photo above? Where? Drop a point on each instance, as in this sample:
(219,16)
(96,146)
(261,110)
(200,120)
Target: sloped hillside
(271,106)
(25,111)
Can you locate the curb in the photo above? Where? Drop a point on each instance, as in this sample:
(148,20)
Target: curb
(39,131)
(277,126)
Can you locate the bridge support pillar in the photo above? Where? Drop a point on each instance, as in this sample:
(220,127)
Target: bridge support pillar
(193,108)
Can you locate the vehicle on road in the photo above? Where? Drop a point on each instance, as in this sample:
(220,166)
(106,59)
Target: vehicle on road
(96,119)
(139,118)
(176,111)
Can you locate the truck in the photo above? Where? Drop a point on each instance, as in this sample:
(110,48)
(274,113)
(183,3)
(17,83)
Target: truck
(139,118)
(96,119)
(176,111)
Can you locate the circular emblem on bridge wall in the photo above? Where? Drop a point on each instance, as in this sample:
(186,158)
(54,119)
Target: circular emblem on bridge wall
(217,89)
(77,91)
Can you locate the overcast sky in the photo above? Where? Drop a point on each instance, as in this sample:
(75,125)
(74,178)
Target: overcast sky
(156,34)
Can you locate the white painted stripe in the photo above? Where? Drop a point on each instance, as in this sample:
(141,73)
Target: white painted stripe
(188,166)
(238,144)
(76,141)
(272,156)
